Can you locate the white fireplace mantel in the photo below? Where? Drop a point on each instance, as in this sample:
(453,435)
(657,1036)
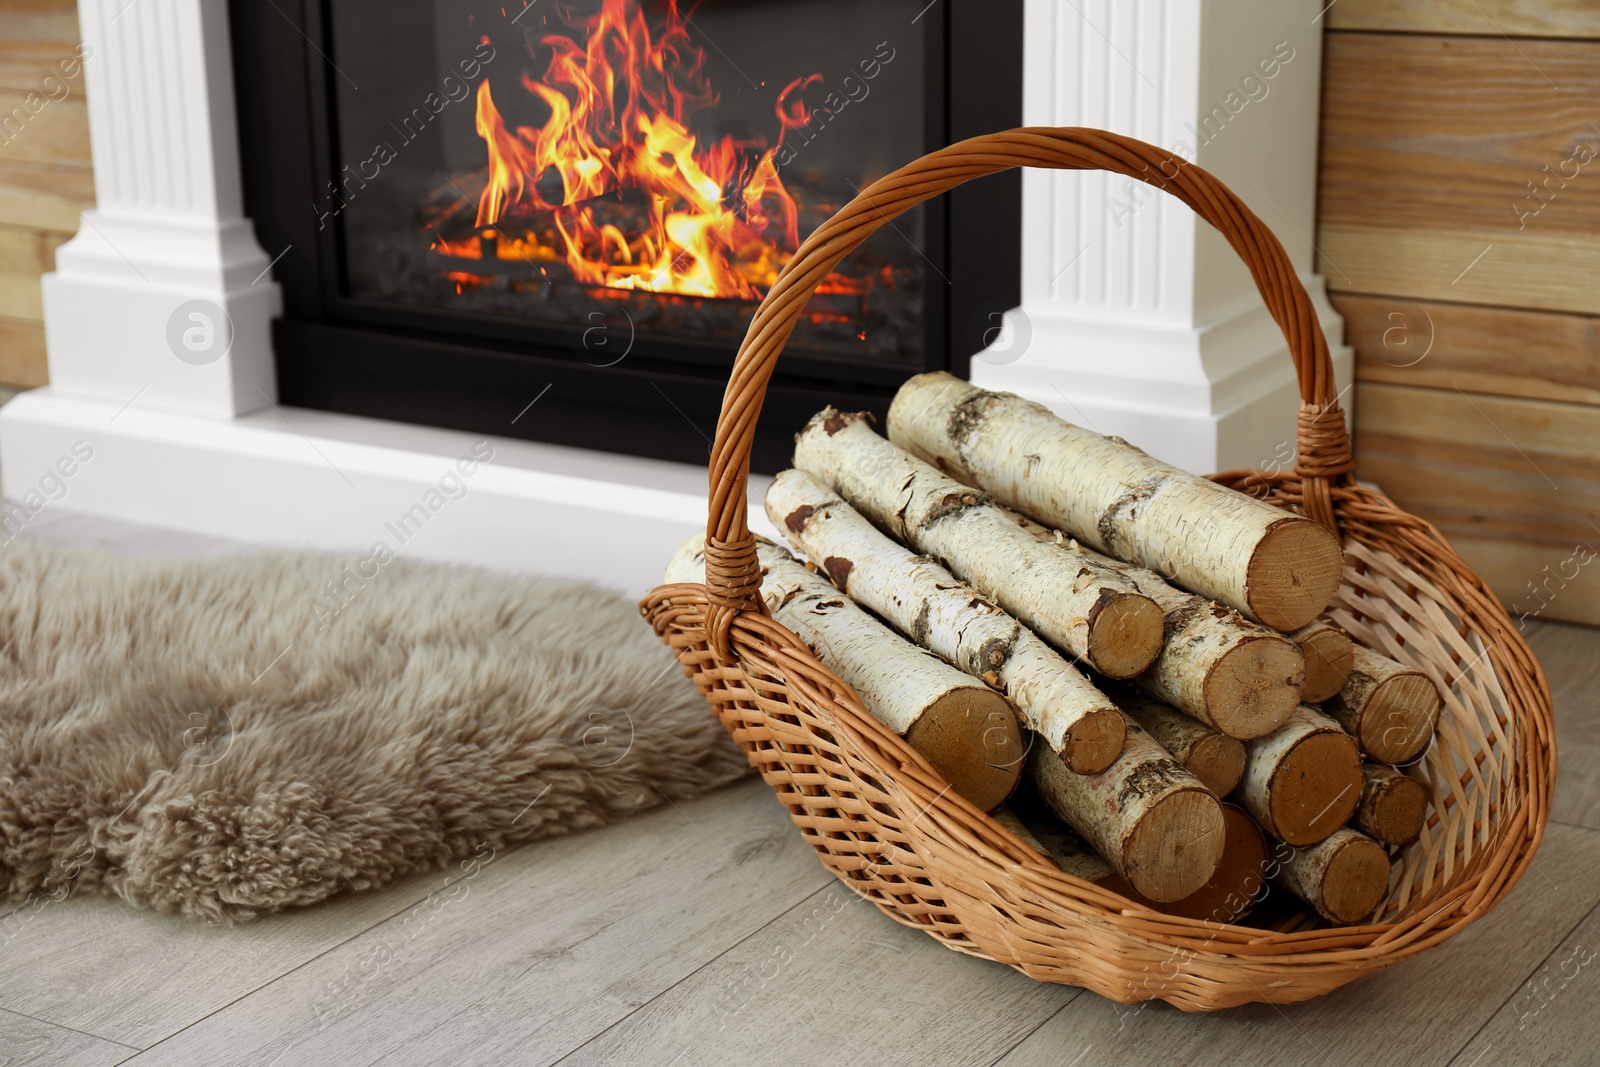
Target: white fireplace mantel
(1135,319)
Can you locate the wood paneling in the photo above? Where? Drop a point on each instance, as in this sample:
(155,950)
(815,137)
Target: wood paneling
(22,354)
(1514,484)
(24,256)
(47,197)
(53,133)
(1491,18)
(35,35)
(1538,355)
(1429,148)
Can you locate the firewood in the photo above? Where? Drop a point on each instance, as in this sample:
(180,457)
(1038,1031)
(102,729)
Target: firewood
(1084,609)
(1280,569)
(1391,709)
(1239,878)
(1302,781)
(930,606)
(1230,673)
(1227,894)
(1153,821)
(1343,877)
(1330,655)
(968,732)
(1393,805)
(1062,846)
(1210,755)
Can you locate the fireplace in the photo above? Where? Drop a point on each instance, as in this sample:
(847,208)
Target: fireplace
(555,219)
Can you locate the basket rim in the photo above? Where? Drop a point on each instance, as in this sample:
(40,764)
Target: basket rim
(1335,954)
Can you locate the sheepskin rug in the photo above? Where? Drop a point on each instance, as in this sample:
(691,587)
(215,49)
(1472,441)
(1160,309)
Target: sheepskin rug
(230,737)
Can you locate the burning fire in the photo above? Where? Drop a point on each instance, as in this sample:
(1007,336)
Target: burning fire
(640,203)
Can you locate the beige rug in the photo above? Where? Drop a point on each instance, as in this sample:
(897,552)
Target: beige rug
(230,737)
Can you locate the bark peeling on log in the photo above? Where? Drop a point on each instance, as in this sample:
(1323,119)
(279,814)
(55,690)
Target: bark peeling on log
(838,569)
(1150,780)
(1125,509)
(797,519)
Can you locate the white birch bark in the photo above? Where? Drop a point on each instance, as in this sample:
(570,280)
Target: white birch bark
(1391,709)
(967,731)
(1302,781)
(1215,665)
(930,606)
(1343,877)
(1208,754)
(1330,656)
(1062,846)
(1081,607)
(1279,568)
(1153,821)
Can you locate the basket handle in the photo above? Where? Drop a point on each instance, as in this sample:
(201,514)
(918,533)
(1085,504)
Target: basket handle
(733,575)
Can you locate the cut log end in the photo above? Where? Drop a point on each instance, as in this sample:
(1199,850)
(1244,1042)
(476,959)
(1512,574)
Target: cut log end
(1174,850)
(972,738)
(1240,875)
(1315,788)
(1095,741)
(1329,656)
(1293,573)
(1400,718)
(1253,687)
(1218,761)
(1393,807)
(1354,880)
(1125,635)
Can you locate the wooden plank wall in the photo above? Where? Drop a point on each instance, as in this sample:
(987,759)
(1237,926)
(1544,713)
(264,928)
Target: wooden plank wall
(1459,228)
(45,175)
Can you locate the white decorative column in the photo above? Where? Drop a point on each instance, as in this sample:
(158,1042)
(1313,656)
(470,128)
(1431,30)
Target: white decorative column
(1137,319)
(164,296)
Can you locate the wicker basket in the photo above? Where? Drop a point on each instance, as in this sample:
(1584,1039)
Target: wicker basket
(889,827)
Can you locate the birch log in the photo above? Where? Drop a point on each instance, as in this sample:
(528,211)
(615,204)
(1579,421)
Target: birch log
(1391,709)
(1393,805)
(1227,894)
(1210,755)
(1153,821)
(1302,781)
(1083,608)
(1279,568)
(930,606)
(1230,673)
(967,731)
(1330,656)
(1240,876)
(1062,846)
(1343,877)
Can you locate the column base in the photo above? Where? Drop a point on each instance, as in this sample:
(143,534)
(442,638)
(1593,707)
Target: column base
(179,316)
(1206,398)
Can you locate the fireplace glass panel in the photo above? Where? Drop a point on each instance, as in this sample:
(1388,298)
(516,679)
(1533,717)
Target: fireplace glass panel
(560,162)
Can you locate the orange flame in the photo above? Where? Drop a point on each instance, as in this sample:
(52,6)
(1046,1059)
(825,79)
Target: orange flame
(712,222)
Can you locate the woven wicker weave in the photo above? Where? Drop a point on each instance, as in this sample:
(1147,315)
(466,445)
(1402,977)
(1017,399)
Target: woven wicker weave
(889,827)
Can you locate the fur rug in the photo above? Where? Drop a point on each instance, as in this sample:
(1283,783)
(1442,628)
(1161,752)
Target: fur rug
(230,737)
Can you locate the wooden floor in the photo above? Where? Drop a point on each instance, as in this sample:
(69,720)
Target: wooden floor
(706,933)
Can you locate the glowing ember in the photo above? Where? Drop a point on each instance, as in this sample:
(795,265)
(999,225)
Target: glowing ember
(640,204)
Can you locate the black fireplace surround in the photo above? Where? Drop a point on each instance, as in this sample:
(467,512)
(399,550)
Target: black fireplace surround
(481,222)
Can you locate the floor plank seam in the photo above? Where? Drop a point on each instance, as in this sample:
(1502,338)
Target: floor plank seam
(1046,1021)
(618,1022)
(135,1049)
(1543,962)
(314,958)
